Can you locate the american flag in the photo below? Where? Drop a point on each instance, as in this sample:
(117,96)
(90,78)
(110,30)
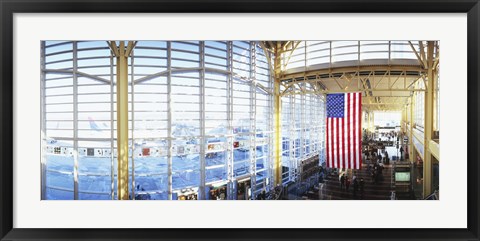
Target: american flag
(344,142)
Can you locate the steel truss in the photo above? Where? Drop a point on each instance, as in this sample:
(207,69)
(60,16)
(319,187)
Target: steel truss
(376,83)
(354,79)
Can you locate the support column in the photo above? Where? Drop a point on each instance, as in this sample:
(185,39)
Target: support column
(132,155)
(122,53)
(403,124)
(413,177)
(292,173)
(428,131)
(277,106)
(278,132)
(122,123)
(112,134)
(369,116)
(372,122)
(410,134)
(302,130)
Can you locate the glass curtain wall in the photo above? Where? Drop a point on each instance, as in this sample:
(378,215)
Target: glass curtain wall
(59,159)
(303,131)
(77,112)
(419,108)
(200,115)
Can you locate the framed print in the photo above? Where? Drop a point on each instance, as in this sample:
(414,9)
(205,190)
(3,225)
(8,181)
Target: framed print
(243,120)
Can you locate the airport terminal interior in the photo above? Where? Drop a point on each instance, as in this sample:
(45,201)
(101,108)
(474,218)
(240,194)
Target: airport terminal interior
(240,120)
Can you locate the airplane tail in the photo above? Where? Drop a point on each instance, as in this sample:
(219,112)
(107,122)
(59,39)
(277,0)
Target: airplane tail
(93,124)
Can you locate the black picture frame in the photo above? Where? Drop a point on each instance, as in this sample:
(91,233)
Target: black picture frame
(9,7)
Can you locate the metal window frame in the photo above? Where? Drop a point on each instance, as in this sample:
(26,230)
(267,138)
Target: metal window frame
(75,123)
(169,115)
(253,148)
(231,195)
(201,190)
(132,138)
(43,161)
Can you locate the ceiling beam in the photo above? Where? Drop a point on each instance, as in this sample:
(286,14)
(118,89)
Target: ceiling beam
(354,69)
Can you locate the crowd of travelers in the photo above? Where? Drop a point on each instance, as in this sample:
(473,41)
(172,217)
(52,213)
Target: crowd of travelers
(358,185)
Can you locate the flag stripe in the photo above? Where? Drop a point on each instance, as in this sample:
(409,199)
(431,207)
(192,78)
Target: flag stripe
(337,143)
(347,112)
(353,126)
(326,143)
(357,132)
(345,137)
(359,129)
(350,119)
(331,142)
(334,156)
(334,142)
(354,123)
(340,143)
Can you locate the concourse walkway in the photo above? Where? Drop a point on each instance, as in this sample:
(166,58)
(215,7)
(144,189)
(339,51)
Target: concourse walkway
(379,191)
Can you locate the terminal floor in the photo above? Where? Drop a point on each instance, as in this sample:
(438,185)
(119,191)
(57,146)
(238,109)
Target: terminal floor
(379,191)
(330,189)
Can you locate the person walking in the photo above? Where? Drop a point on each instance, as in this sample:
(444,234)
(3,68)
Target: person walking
(347,183)
(362,185)
(372,174)
(355,188)
(342,181)
(401,153)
